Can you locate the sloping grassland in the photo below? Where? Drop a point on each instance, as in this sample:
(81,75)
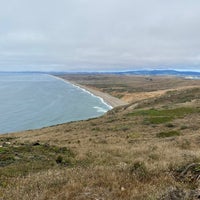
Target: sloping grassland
(148,149)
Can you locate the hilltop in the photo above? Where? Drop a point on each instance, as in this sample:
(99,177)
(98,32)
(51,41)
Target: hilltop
(146,149)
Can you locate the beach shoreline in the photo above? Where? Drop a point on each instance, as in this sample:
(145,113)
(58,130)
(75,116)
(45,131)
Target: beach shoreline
(108,99)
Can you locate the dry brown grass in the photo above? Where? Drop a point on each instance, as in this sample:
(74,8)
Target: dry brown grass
(117,156)
(132,88)
(95,183)
(110,173)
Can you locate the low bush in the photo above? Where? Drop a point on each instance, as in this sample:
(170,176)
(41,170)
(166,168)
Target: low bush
(168,134)
(139,170)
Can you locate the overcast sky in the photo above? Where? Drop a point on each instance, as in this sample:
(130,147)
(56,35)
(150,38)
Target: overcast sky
(82,35)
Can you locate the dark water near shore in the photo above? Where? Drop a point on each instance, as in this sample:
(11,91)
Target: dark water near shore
(30,101)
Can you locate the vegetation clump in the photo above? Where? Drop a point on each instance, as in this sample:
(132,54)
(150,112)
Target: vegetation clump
(170,125)
(168,134)
(155,116)
(139,169)
(21,158)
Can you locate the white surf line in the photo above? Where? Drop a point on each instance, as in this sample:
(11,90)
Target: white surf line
(83,89)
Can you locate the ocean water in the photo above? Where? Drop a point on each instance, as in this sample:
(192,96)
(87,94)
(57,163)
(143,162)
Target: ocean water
(31,101)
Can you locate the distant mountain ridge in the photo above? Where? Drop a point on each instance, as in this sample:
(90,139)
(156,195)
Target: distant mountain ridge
(163,72)
(191,74)
(187,74)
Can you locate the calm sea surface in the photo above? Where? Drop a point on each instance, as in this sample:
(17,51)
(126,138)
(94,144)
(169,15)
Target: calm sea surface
(30,101)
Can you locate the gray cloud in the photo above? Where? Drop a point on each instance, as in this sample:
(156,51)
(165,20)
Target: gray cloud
(99,35)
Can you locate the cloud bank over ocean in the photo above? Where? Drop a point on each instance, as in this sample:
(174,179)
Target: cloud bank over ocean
(79,35)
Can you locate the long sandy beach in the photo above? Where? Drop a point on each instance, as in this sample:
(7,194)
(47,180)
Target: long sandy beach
(112,101)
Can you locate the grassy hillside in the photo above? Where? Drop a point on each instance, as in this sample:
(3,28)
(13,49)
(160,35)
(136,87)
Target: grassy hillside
(148,149)
(132,88)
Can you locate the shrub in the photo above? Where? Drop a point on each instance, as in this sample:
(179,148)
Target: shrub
(59,159)
(168,134)
(170,125)
(139,170)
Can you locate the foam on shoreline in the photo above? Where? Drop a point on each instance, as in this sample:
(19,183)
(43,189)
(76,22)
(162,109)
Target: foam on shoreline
(83,89)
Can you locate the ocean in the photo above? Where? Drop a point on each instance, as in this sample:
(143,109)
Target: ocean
(32,101)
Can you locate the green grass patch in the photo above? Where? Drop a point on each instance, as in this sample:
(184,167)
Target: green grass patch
(154,116)
(160,120)
(166,112)
(21,159)
(168,134)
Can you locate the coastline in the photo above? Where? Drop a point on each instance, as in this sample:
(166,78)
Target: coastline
(110,100)
(107,99)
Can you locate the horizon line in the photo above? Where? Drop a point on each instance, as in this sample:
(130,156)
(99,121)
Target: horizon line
(98,71)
